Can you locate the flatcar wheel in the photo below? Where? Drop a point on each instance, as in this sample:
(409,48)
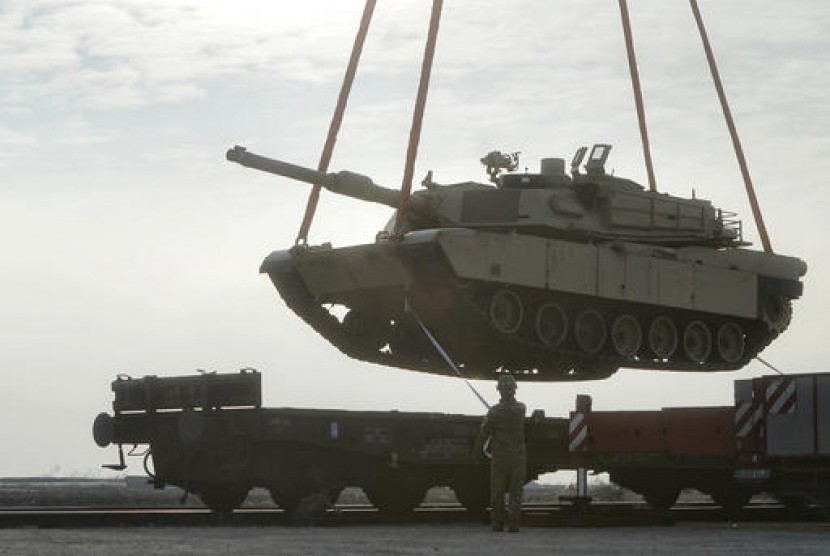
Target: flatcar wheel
(395,499)
(731,342)
(473,495)
(589,331)
(506,311)
(697,341)
(626,335)
(551,324)
(662,337)
(288,496)
(661,497)
(731,499)
(223,499)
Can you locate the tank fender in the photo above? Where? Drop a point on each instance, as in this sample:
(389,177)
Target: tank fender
(767,285)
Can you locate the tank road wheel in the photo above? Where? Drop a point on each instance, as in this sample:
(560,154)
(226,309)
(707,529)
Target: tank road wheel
(731,342)
(506,311)
(551,324)
(593,371)
(408,342)
(662,337)
(626,335)
(368,332)
(556,366)
(589,331)
(697,341)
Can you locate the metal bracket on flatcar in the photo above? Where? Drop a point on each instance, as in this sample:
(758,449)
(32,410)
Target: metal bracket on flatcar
(121,465)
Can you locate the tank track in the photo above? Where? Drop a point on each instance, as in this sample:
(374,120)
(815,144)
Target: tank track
(563,363)
(293,291)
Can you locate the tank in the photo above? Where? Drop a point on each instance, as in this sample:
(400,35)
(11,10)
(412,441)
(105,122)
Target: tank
(550,276)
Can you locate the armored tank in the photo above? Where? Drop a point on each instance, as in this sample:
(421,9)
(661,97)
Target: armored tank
(550,276)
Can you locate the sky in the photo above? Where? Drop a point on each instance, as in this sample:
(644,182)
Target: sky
(131,246)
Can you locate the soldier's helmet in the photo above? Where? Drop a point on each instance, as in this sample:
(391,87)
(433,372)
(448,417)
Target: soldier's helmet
(506,383)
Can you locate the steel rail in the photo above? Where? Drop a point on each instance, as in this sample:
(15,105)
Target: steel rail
(534,515)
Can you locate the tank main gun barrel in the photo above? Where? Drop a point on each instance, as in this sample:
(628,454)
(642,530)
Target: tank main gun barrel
(345,183)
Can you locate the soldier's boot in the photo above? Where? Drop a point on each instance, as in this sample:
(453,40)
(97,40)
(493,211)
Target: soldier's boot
(513,521)
(514,512)
(497,519)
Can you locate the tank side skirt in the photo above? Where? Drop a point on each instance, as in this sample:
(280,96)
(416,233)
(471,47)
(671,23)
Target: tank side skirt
(301,301)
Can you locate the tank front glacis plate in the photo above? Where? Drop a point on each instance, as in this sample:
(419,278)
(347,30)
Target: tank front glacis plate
(329,273)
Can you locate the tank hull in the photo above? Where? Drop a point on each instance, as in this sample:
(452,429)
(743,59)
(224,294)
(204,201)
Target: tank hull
(546,309)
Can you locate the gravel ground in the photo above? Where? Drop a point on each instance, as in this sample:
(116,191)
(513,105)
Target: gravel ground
(406,540)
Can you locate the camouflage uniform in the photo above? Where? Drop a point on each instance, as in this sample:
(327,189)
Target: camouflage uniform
(504,425)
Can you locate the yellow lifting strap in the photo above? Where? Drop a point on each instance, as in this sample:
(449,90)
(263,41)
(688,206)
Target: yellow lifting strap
(337,119)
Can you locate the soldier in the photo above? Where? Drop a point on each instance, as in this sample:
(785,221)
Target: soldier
(504,425)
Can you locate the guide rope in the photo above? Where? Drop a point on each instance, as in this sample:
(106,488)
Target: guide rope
(769,365)
(442,352)
(638,93)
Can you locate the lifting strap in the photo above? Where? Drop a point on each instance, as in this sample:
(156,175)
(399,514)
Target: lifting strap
(727,114)
(418,114)
(733,132)
(337,119)
(638,93)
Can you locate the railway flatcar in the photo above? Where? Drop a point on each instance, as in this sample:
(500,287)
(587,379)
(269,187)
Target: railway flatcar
(209,435)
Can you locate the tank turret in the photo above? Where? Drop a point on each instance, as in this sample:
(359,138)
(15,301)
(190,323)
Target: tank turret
(589,206)
(549,275)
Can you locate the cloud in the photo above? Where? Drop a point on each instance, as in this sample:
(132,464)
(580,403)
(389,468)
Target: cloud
(119,53)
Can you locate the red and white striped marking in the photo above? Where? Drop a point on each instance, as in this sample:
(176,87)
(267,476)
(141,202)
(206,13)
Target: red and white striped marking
(781,396)
(748,415)
(577,432)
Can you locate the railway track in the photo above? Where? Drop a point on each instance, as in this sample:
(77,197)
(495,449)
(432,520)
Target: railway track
(533,515)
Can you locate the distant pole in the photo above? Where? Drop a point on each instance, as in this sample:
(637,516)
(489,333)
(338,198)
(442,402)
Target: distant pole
(733,132)
(418,115)
(337,118)
(638,93)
